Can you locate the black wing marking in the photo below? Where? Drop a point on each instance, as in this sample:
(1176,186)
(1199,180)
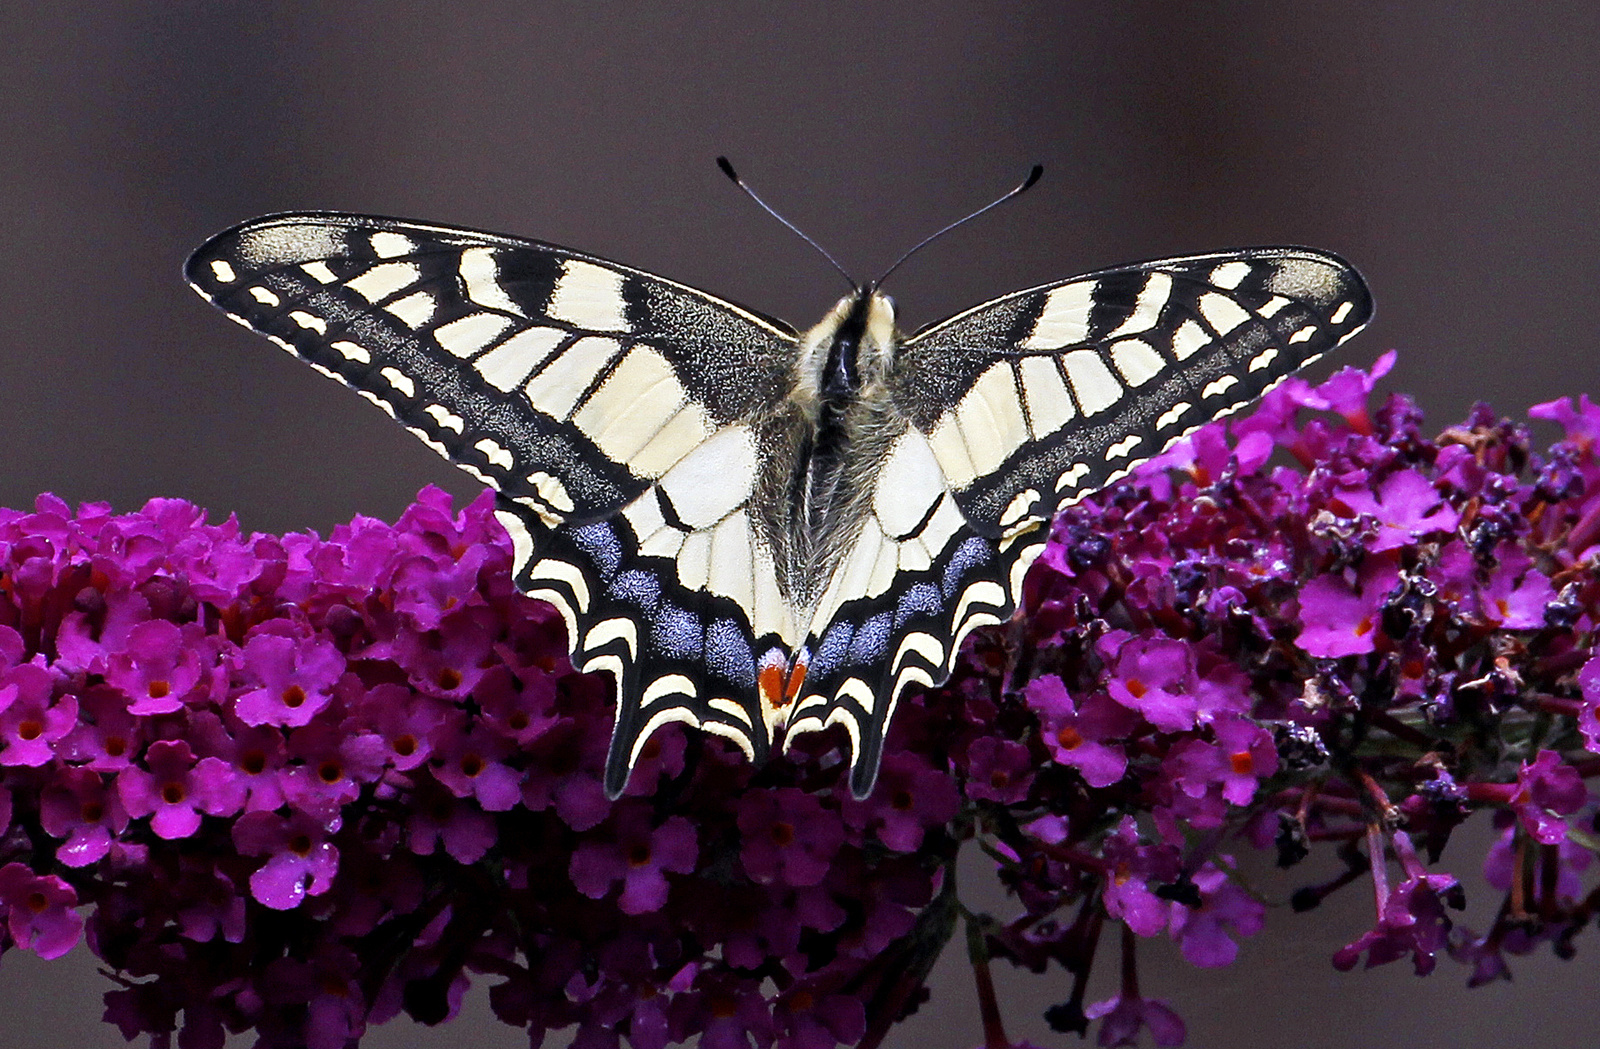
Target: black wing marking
(1028,402)
(609,408)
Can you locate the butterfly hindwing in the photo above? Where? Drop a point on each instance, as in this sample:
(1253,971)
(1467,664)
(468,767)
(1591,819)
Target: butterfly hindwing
(682,646)
(1023,404)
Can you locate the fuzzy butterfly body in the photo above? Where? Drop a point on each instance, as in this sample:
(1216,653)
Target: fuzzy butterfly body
(761,532)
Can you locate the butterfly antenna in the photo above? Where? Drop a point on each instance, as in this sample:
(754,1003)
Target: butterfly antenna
(1023,187)
(727,169)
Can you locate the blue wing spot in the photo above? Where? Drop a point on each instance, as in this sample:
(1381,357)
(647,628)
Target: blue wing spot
(831,649)
(678,633)
(969,555)
(921,599)
(871,640)
(599,541)
(640,589)
(728,653)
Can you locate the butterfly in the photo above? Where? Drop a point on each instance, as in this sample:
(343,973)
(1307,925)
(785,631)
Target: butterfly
(757,531)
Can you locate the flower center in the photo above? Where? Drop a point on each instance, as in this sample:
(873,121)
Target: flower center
(293,696)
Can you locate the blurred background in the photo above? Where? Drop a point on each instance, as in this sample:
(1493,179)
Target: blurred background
(1448,149)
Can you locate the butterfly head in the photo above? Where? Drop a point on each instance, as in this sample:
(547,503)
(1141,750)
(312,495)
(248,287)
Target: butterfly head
(849,349)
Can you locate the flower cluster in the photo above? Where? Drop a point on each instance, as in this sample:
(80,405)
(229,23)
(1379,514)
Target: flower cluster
(301,785)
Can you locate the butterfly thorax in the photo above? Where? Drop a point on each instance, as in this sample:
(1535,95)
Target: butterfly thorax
(840,422)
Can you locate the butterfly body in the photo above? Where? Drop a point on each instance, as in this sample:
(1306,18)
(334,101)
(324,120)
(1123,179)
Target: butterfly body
(760,532)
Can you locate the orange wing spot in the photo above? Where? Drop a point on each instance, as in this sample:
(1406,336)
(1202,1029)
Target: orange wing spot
(770,681)
(797,677)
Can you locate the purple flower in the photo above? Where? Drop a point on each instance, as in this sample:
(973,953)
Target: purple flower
(327,986)
(787,837)
(1546,791)
(258,755)
(1589,712)
(1581,422)
(79,807)
(327,767)
(1412,919)
(107,736)
(1206,933)
(1133,866)
(439,818)
(404,720)
(1086,738)
(1124,1016)
(1243,753)
(40,911)
(1404,505)
(1517,594)
(300,862)
(1501,863)
(294,679)
(32,718)
(1154,676)
(910,798)
(638,856)
(175,789)
(472,764)
(807,1020)
(1340,615)
(159,667)
(999,770)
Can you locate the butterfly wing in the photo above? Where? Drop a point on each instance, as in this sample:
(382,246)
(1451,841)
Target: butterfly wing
(1026,403)
(615,412)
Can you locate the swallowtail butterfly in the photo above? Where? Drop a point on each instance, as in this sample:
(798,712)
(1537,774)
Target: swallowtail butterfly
(758,531)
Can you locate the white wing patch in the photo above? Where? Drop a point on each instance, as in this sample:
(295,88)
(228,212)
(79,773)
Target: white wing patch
(468,335)
(634,404)
(1064,320)
(1092,381)
(714,479)
(560,384)
(480,274)
(1045,391)
(1147,309)
(589,296)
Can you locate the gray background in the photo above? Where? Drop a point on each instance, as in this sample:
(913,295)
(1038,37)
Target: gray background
(1446,148)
